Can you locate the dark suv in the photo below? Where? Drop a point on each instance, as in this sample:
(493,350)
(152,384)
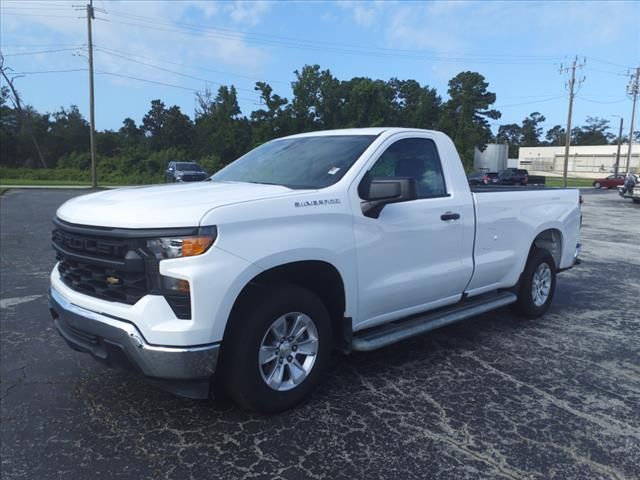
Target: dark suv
(513,176)
(184,172)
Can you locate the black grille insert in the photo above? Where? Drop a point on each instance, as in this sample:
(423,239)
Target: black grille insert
(104,267)
(113,263)
(101,282)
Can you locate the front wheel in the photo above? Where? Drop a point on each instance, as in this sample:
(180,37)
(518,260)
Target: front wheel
(277,349)
(537,285)
(596,185)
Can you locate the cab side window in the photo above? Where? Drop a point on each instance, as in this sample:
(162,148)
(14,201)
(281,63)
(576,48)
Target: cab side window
(415,158)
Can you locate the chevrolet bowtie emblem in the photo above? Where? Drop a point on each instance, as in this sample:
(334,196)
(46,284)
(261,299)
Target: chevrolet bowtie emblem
(113,281)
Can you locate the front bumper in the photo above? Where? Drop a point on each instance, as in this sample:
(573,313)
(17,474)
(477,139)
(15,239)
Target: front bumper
(185,371)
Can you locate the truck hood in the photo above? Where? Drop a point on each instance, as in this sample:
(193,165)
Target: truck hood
(162,206)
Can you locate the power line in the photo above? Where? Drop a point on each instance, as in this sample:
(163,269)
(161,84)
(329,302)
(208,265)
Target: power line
(532,102)
(171,71)
(48,7)
(40,52)
(196,67)
(38,72)
(165,84)
(299,41)
(365,51)
(580,97)
(607,62)
(31,45)
(38,15)
(47,4)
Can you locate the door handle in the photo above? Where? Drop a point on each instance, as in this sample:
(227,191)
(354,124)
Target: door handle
(449,216)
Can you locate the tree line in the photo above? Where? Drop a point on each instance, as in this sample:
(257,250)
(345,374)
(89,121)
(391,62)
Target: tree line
(219,132)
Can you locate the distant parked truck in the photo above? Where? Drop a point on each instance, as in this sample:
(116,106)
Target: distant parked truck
(184,172)
(513,176)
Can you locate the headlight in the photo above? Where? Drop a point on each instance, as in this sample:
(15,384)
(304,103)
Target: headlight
(177,247)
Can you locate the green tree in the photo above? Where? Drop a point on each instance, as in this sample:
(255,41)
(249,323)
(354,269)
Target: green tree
(512,134)
(316,99)
(465,114)
(167,128)
(595,132)
(416,106)
(556,136)
(366,103)
(274,120)
(129,134)
(531,129)
(221,131)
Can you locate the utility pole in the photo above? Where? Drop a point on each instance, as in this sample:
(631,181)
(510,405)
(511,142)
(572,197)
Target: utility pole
(632,89)
(617,167)
(571,85)
(92,121)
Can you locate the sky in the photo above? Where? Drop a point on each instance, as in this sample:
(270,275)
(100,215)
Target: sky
(144,50)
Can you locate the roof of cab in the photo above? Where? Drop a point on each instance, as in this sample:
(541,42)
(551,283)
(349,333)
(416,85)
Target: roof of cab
(357,131)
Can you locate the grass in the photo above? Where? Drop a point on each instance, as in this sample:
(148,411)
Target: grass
(571,182)
(25,181)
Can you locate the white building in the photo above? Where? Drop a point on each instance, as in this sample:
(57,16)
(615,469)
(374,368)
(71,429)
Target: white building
(584,161)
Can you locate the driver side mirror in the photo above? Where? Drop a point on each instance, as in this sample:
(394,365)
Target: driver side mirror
(383,191)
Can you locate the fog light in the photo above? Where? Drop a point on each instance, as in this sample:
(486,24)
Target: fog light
(175,284)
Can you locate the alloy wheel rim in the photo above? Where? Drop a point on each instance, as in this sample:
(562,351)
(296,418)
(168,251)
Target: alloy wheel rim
(541,284)
(288,351)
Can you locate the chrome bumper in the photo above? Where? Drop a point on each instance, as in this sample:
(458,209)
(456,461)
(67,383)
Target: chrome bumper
(119,343)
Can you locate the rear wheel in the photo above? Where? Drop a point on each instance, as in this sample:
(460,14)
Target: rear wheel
(537,285)
(277,349)
(597,185)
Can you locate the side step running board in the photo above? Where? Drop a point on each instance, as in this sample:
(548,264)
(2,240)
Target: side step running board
(382,336)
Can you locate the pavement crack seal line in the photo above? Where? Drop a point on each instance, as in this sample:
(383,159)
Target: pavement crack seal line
(501,467)
(12,302)
(610,425)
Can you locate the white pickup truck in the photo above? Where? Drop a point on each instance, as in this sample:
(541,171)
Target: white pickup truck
(336,240)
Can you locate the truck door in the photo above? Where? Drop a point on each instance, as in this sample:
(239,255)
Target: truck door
(416,255)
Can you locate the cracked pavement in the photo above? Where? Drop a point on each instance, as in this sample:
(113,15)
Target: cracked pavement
(491,397)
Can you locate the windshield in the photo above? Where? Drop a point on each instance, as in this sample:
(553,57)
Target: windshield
(188,167)
(305,162)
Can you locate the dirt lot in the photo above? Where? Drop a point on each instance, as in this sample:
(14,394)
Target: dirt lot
(492,397)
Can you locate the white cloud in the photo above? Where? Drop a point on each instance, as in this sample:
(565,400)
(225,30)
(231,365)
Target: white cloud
(157,36)
(246,12)
(363,13)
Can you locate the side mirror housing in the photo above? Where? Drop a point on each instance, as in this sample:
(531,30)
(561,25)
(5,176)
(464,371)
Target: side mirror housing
(383,191)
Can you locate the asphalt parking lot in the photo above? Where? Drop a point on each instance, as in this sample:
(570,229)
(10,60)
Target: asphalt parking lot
(492,397)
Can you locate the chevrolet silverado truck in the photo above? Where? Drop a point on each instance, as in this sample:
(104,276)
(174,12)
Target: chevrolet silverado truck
(346,240)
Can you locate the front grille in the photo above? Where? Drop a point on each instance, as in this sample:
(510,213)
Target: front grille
(101,282)
(104,267)
(113,264)
(191,178)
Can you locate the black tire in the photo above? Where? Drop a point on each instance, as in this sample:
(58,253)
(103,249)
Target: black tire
(525,306)
(241,375)
(596,185)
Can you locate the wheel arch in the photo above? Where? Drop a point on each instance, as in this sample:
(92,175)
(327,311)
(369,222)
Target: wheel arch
(318,276)
(550,239)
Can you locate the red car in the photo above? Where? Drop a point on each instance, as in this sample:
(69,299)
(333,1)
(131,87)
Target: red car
(612,181)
